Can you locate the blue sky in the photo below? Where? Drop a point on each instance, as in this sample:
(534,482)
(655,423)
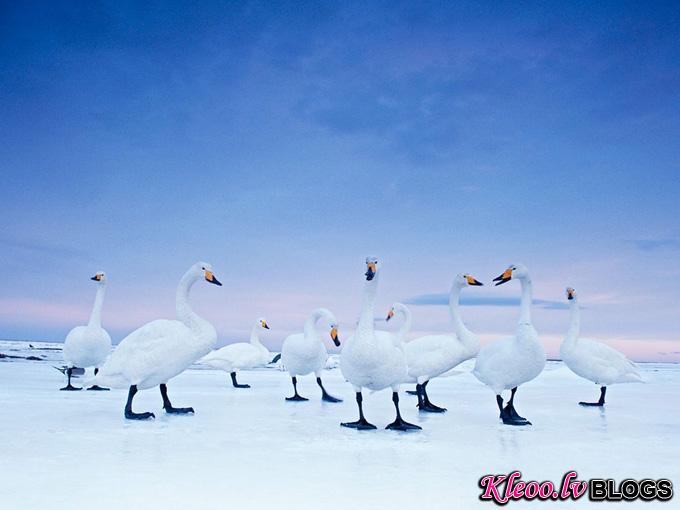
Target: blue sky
(285,141)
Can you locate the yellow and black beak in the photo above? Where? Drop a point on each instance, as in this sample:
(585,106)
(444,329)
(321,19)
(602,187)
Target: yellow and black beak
(265,325)
(209,276)
(473,281)
(370,271)
(390,314)
(570,293)
(504,278)
(334,336)
(97,277)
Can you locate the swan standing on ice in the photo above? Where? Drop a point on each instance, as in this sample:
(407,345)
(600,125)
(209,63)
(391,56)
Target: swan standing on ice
(162,349)
(234,357)
(88,346)
(593,360)
(432,355)
(507,363)
(303,353)
(374,359)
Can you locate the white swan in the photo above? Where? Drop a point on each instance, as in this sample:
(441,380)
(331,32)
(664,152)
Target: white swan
(88,346)
(242,355)
(303,353)
(373,359)
(162,349)
(594,360)
(507,363)
(432,355)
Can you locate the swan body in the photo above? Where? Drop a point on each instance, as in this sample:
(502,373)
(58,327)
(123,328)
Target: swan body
(88,346)
(591,359)
(432,355)
(512,361)
(374,359)
(241,355)
(162,349)
(304,353)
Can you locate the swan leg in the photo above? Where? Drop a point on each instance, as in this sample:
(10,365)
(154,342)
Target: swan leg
(97,387)
(424,403)
(508,413)
(129,414)
(414,392)
(236,384)
(599,403)
(296,397)
(69,387)
(399,423)
(325,396)
(168,406)
(361,423)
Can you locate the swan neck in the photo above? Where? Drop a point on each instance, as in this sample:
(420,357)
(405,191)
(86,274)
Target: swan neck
(310,324)
(406,326)
(454,310)
(574,321)
(184,311)
(368,305)
(525,304)
(96,315)
(254,337)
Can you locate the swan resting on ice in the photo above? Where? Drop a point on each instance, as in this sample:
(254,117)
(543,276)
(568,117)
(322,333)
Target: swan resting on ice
(242,355)
(507,363)
(162,349)
(374,359)
(303,353)
(88,346)
(432,355)
(594,360)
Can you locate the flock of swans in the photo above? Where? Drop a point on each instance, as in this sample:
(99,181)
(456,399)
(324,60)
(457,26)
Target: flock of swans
(370,359)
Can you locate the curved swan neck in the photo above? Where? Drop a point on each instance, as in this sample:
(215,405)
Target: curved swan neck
(310,323)
(368,305)
(254,336)
(454,304)
(525,304)
(574,321)
(408,320)
(96,315)
(182,306)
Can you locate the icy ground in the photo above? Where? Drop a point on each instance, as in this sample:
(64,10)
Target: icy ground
(249,448)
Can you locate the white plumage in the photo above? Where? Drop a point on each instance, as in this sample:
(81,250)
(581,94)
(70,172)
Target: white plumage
(163,349)
(88,346)
(591,359)
(241,355)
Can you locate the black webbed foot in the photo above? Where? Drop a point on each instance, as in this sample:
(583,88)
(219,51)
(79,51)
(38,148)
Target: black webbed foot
(296,398)
(179,410)
(412,392)
(139,416)
(360,424)
(69,387)
(330,398)
(591,404)
(97,388)
(429,407)
(400,424)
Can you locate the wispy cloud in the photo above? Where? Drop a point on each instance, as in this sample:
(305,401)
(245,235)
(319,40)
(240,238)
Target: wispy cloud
(648,245)
(443,299)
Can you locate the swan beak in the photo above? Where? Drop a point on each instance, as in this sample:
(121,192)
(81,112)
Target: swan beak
(334,337)
(473,281)
(504,278)
(265,325)
(370,272)
(97,277)
(209,276)
(390,314)
(570,294)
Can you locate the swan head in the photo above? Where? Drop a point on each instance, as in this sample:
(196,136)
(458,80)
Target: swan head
(262,322)
(99,277)
(390,314)
(464,280)
(334,333)
(396,308)
(571,294)
(372,268)
(205,270)
(518,271)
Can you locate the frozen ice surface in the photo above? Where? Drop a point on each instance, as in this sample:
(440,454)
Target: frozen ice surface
(249,448)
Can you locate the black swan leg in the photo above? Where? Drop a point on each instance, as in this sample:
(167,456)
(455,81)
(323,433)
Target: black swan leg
(325,396)
(426,405)
(96,387)
(361,423)
(168,406)
(69,386)
(296,397)
(129,414)
(399,423)
(599,403)
(508,413)
(235,383)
